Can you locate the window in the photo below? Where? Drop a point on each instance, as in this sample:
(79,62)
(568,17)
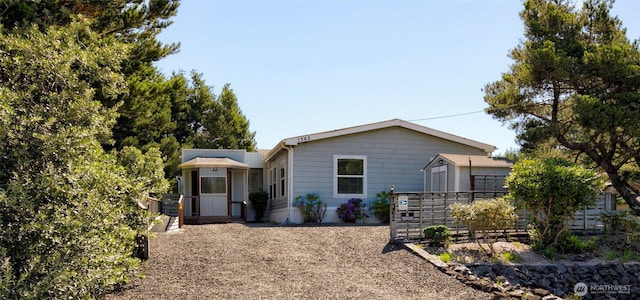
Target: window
(213,185)
(350,176)
(282,179)
(272,183)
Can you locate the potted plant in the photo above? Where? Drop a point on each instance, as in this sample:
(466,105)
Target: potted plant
(259,202)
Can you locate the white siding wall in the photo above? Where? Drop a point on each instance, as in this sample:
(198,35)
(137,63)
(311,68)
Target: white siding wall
(394,156)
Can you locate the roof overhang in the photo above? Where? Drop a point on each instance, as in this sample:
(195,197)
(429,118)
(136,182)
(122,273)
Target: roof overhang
(292,141)
(464,160)
(213,162)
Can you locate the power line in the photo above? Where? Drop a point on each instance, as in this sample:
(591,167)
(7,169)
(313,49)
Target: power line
(447,116)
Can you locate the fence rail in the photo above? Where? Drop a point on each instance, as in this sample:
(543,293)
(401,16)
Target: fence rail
(411,212)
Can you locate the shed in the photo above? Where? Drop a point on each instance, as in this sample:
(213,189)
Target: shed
(461,173)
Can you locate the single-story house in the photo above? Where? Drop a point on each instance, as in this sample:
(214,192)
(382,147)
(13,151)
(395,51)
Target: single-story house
(354,162)
(462,173)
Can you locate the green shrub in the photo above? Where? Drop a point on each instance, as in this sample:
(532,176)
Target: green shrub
(486,218)
(552,190)
(567,243)
(622,227)
(312,208)
(437,234)
(571,243)
(379,207)
(259,202)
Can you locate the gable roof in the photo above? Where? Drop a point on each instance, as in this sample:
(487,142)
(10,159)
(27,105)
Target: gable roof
(292,141)
(462,160)
(217,162)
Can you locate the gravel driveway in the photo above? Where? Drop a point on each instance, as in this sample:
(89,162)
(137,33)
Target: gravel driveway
(235,261)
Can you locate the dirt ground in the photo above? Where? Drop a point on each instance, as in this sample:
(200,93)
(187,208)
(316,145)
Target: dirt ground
(235,261)
(471,253)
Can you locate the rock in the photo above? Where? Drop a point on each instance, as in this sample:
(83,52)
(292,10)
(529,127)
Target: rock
(541,292)
(462,269)
(516,294)
(546,283)
(604,272)
(484,271)
(532,297)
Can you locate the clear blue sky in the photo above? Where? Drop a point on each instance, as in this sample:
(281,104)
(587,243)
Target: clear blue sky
(301,67)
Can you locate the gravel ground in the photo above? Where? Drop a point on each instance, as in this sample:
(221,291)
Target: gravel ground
(235,261)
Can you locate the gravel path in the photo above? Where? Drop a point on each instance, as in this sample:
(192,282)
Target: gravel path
(235,261)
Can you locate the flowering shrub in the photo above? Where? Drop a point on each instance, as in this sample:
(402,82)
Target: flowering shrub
(352,211)
(312,208)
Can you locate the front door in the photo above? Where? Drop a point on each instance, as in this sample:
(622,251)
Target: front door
(237,191)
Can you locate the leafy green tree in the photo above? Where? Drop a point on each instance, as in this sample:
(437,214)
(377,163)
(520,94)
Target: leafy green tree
(68,213)
(552,190)
(145,111)
(576,80)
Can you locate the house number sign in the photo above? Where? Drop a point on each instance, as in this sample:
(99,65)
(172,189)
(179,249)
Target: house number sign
(303,139)
(403,202)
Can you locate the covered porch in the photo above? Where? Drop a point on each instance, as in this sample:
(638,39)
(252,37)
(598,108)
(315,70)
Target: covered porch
(214,189)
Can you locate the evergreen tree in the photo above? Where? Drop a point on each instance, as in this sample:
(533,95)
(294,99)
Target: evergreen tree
(576,80)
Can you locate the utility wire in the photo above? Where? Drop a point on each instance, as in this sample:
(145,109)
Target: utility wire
(448,116)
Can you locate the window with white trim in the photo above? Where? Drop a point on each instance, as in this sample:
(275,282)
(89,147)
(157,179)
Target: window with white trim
(350,176)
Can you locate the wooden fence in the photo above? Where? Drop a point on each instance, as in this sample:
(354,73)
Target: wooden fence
(411,212)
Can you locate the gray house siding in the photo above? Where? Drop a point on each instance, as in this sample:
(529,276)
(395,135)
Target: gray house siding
(394,155)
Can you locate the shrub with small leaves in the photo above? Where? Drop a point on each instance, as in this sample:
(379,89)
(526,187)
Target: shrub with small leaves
(437,234)
(486,217)
(312,208)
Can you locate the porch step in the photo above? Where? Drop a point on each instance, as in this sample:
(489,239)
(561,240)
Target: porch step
(173,224)
(166,224)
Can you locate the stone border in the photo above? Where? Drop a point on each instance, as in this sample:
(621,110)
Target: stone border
(543,281)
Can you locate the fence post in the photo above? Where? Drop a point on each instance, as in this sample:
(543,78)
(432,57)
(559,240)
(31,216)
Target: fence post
(392,214)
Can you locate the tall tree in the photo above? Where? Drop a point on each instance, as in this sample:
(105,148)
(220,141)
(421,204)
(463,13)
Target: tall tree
(144,112)
(219,122)
(226,127)
(575,79)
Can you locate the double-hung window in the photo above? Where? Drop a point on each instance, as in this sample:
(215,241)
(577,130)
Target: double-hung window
(350,176)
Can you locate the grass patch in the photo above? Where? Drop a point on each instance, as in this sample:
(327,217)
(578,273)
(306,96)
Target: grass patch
(510,257)
(446,257)
(629,255)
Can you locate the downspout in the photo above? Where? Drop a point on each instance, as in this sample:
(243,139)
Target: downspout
(289,181)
